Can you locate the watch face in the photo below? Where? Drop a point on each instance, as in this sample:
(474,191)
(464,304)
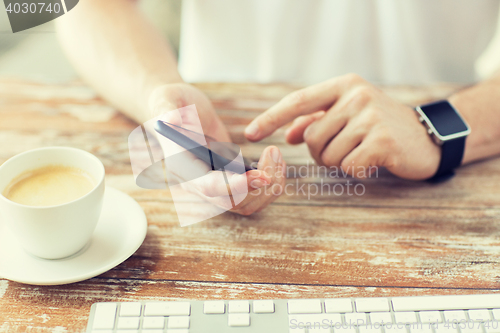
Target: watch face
(444,118)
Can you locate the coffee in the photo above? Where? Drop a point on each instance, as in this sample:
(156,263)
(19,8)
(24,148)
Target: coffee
(50,185)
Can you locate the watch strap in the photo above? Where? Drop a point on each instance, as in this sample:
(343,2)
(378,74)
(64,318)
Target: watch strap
(452,153)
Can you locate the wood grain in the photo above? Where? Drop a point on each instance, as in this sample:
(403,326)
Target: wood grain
(398,238)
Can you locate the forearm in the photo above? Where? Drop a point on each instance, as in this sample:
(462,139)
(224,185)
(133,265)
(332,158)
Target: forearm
(118,52)
(480,107)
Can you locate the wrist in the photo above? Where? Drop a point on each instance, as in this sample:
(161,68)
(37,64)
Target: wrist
(430,151)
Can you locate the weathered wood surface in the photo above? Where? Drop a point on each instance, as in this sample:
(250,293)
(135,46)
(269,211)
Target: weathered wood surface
(399,238)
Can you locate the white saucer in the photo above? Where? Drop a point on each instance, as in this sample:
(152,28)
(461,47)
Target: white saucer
(119,233)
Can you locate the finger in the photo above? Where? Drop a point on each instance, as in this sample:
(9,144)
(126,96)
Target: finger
(271,192)
(220,201)
(185,165)
(295,134)
(320,133)
(344,142)
(276,194)
(270,161)
(362,161)
(160,104)
(267,194)
(173,117)
(250,181)
(214,184)
(305,101)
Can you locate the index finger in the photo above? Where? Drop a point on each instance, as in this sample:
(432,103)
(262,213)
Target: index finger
(304,101)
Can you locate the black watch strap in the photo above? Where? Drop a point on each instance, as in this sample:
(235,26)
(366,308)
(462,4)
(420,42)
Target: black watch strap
(452,153)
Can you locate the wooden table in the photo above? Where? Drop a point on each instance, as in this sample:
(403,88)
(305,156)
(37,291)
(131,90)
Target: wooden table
(399,238)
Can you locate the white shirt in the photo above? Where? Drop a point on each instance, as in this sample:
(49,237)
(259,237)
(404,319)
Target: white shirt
(308,41)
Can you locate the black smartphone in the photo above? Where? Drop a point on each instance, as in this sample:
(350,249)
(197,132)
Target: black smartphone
(218,155)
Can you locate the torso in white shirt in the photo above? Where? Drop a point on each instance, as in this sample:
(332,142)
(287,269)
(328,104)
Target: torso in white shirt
(308,41)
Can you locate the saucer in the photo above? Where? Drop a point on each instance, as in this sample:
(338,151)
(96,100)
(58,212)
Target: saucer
(119,233)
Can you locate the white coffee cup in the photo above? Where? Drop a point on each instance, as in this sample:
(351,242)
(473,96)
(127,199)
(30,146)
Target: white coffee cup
(53,232)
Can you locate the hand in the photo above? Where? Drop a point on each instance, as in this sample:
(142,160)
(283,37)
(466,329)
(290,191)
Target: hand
(256,184)
(170,97)
(347,122)
(251,192)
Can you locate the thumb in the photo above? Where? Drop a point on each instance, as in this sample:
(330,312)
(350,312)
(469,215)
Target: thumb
(173,117)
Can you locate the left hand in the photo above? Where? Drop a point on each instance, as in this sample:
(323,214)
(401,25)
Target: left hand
(250,192)
(347,122)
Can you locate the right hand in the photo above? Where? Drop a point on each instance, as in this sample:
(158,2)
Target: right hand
(257,183)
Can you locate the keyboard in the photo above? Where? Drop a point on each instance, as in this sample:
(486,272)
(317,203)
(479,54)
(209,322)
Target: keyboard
(415,314)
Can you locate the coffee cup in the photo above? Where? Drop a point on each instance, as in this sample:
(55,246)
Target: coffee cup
(46,203)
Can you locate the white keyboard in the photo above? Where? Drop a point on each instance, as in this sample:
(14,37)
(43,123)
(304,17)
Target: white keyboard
(416,314)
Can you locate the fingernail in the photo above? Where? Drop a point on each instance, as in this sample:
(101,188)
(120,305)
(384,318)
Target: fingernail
(276,155)
(252,130)
(257,183)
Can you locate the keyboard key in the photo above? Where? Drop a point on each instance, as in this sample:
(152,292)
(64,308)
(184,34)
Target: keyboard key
(430,317)
(125,331)
(496,314)
(213,307)
(304,306)
(492,326)
(153,322)
(315,320)
(372,304)
(380,318)
(345,329)
(178,322)
(320,330)
(175,331)
(454,315)
(405,317)
(238,319)
(445,328)
(471,327)
(167,309)
(394,328)
(370,329)
(239,307)
(263,306)
(144,331)
(419,328)
(355,318)
(471,330)
(479,315)
(415,303)
(296,330)
(128,323)
(104,317)
(338,305)
(131,309)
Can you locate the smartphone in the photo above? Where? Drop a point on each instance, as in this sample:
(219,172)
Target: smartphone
(217,155)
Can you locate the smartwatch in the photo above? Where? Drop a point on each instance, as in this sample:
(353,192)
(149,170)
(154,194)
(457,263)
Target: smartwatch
(449,130)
